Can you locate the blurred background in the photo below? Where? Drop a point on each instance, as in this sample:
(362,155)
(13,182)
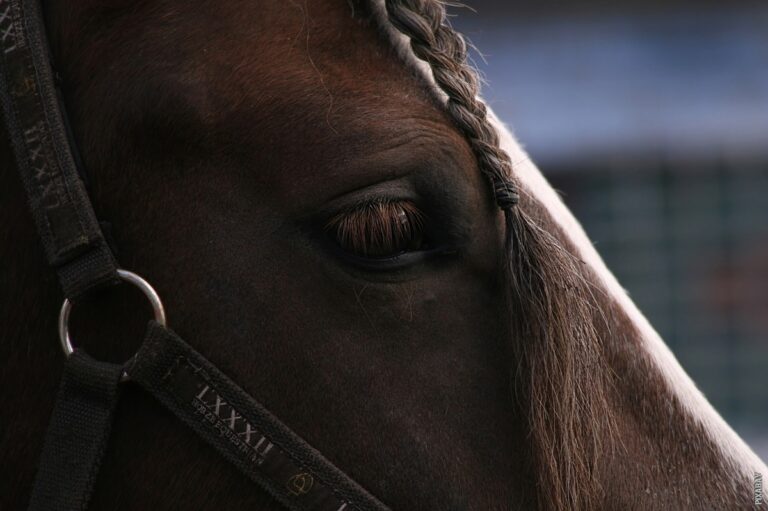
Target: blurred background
(651,118)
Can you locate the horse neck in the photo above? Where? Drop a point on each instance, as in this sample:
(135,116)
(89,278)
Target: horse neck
(672,446)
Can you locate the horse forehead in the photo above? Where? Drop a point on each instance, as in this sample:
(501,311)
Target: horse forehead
(287,59)
(281,40)
(310,48)
(309,92)
(322,82)
(295,69)
(284,36)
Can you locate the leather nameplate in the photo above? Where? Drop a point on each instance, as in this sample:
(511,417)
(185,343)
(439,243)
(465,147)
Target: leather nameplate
(243,439)
(241,429)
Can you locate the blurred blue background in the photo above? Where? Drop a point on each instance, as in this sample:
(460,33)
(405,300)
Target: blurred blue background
(652,119)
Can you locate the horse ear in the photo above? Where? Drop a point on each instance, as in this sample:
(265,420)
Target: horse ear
(560,379)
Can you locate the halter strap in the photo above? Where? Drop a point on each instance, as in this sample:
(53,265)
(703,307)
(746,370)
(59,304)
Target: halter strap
(74,244)
(77,434)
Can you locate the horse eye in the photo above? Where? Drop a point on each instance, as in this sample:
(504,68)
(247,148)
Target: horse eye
(379,230)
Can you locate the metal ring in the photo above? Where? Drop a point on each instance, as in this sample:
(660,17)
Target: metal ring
(126,276)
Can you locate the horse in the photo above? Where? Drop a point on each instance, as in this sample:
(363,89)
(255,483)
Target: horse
(306,184)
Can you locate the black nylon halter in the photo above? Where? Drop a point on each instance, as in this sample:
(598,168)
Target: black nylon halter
(189,385)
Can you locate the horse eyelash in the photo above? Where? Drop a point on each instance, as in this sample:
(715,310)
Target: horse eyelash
(377,228)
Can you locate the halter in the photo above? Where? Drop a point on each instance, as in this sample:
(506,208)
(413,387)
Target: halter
(189,385)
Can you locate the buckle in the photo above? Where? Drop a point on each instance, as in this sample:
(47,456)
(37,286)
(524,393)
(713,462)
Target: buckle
(125,276)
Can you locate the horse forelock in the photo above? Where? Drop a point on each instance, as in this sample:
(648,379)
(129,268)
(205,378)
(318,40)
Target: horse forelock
(569,378)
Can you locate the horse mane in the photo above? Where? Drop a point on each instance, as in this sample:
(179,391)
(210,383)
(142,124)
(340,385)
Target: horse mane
(561,379)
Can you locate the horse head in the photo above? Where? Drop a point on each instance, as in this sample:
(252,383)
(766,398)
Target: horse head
(333,216)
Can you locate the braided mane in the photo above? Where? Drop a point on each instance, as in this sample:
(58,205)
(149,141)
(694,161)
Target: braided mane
(561,377)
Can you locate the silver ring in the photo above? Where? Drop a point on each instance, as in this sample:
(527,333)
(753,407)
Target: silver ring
(126,276)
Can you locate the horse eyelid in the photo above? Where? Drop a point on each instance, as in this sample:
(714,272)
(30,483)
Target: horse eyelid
(379,227)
